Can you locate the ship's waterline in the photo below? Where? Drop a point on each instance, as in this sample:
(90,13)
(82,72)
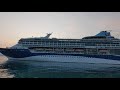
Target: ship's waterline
(74,59)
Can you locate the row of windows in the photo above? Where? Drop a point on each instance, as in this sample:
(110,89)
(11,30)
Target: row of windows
(108,45)
(53,44)
(60,56)
(71,41)
(55,40)
(62,45)
(87,44)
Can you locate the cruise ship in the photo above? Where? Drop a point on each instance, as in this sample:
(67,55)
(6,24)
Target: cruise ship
(99,48)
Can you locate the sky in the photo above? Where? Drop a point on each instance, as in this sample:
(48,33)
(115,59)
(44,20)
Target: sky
(17,25)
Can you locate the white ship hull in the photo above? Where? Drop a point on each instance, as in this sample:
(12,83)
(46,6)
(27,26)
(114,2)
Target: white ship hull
(60,58)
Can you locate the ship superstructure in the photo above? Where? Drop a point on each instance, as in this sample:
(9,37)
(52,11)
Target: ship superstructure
(102,43)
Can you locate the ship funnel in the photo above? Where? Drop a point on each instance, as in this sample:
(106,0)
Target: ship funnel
(48,35)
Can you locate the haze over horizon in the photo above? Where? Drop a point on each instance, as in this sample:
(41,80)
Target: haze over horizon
(16,25)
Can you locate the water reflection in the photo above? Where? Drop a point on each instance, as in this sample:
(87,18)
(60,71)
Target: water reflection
(40,69)
(16,65)
(17,68)
(4,72)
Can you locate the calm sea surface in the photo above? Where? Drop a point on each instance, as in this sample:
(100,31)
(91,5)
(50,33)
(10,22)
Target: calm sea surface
(39,69)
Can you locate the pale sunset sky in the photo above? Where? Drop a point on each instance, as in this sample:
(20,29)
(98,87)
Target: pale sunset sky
(16,25)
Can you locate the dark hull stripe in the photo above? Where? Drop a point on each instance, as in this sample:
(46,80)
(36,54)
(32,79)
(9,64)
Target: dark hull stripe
(21,53)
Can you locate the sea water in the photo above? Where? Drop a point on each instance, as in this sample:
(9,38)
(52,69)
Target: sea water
(40,69)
